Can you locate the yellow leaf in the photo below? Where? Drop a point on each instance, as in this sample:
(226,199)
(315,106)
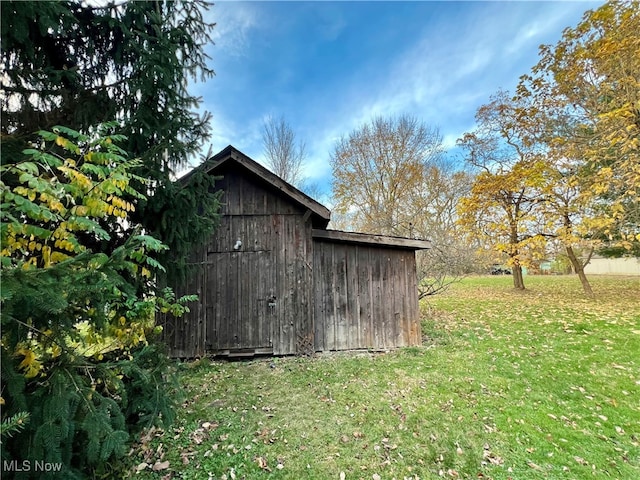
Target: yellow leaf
(29,363)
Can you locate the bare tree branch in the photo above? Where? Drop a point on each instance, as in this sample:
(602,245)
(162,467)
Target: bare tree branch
(284,155)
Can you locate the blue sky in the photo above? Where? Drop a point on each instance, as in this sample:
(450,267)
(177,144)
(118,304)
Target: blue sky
(328,67)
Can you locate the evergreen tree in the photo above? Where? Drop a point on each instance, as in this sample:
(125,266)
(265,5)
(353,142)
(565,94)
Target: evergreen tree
(80,373)
(79,64)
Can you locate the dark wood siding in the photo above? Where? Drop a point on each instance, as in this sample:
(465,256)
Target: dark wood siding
(364,297)
(256,298)
(184,336)
(273,280)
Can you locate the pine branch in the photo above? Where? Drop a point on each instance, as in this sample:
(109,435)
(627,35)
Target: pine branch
(13,424)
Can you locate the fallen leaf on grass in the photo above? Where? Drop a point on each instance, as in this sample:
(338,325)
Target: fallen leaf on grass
(489,456)
(160,466)
(199,436)
(141,466)
(147,436)
(534,466)
(262,463)
(184,456)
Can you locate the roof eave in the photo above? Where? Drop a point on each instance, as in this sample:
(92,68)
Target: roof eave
(371,240)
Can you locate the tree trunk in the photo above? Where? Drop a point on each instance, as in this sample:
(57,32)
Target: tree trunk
(518,280)
(578,267)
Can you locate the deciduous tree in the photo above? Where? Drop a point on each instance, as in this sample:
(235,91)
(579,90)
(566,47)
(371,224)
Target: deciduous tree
(435,217)
(390,179)
(591,78)
(284,155)
(379,169)
(568,214)
(504,204)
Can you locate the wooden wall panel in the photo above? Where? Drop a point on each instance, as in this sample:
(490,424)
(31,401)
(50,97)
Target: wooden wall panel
(321,302)
(184,336)
(293,263)
(244,195)
(364,297)
(353,299)
(365,292)
(257,297)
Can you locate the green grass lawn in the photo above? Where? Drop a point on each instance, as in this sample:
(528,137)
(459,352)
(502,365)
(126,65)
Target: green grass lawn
(523,385)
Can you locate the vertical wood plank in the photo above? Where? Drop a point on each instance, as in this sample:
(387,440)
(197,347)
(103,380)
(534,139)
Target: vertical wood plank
(416,338)
(332,299)
(353,299)
(342,324)
(278,310)
(365,293)
(318,297)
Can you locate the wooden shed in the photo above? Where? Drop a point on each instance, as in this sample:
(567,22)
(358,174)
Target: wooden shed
(275,281)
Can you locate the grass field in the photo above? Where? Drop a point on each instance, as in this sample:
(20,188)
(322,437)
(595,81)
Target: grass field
(508,385)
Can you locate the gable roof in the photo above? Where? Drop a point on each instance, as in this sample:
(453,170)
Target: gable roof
(230,154)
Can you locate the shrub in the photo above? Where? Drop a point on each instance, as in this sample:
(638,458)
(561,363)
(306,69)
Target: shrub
(78,308)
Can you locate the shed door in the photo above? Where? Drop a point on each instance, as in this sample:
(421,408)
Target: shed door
(239,310)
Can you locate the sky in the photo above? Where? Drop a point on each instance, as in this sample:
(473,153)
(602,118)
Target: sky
(329,67)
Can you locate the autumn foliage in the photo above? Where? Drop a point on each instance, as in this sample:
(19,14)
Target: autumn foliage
(78,323)
(586,91)
(559,162)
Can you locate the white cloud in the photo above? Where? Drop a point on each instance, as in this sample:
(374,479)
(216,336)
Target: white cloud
(441,75)
(448,71)
(540,24)
(234,23)
(449,140)
(525,36)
